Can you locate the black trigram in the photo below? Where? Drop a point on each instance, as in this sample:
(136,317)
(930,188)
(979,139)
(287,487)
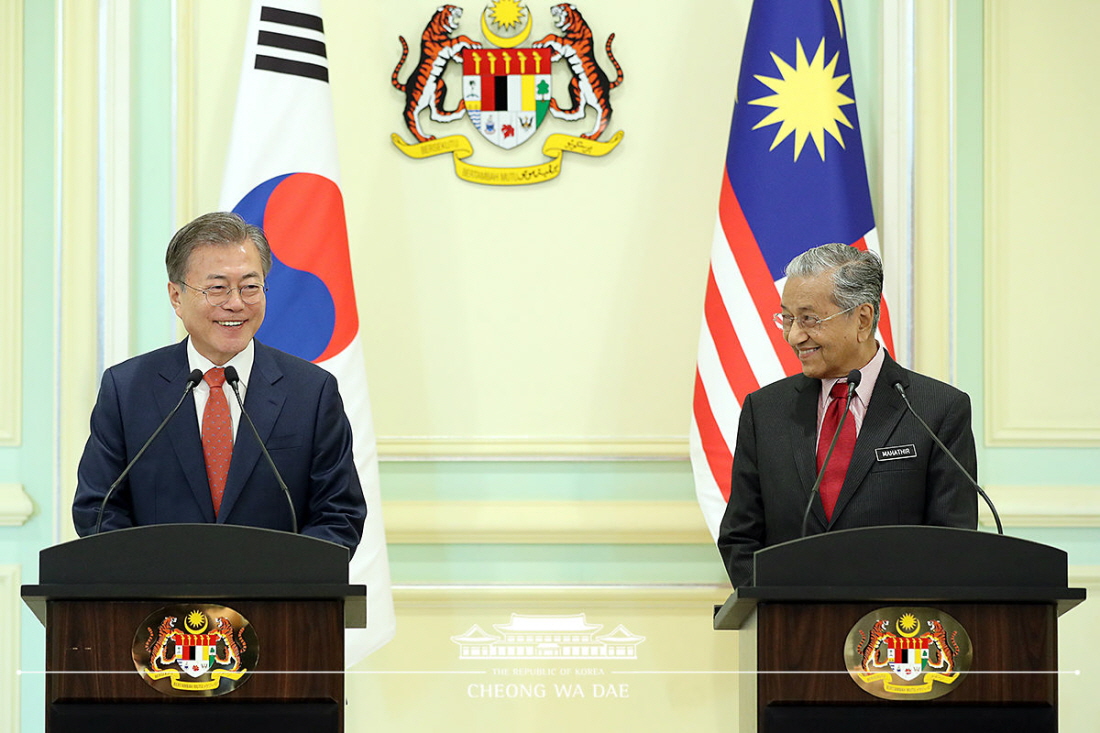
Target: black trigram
(290,39)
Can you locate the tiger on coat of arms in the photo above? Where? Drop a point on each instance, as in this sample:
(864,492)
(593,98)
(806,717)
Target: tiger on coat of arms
(589,86)
(424,88)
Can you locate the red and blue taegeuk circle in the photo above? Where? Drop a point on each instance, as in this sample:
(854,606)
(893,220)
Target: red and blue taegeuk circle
(311,309)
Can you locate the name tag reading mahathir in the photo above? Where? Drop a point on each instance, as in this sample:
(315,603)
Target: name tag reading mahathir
(896,452)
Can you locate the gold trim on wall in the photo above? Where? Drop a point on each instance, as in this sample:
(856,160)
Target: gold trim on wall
(545,522)
(11,213)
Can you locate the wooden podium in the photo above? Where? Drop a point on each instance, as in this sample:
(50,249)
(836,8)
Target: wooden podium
(95,596)
(795,621)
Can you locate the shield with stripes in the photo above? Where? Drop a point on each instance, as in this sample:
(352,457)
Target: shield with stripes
(507,92)
(196,653)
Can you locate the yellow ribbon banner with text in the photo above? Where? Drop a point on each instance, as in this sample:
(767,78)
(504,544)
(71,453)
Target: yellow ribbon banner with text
(554,147)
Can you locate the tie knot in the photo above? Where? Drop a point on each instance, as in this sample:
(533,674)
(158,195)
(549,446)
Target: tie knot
(839,391)
(215,377)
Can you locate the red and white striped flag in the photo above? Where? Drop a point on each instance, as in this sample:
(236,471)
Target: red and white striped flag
(795,178)
(283,175)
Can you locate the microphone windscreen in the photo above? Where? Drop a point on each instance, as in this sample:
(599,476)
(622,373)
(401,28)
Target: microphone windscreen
(194,378)
(854,377)
(231,374)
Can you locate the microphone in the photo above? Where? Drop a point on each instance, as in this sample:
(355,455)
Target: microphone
(989,503)
(232,379)
(192,381)
(854,378)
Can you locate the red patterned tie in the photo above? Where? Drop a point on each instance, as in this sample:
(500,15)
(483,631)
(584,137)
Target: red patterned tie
(217,436)
(842,454)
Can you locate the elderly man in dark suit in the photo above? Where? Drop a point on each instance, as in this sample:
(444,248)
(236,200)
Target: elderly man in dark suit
(207,466)
(885,469)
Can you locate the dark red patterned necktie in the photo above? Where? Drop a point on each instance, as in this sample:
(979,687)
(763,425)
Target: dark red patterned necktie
(842,454)
(217,436)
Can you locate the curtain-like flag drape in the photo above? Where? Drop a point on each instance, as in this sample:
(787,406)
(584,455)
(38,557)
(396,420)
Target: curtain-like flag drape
(795,178)
(282,174)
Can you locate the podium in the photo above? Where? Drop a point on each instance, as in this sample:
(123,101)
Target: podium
(798,620)
(102,601)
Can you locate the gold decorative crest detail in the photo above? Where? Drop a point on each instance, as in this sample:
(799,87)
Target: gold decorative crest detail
(199,650)
(907,653)
(507,90)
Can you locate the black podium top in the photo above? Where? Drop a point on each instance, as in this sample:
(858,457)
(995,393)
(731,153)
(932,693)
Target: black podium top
(168,561)
(905,564)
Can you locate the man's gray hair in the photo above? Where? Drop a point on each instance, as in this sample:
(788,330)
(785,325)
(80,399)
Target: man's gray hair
(857,274)
(218,228)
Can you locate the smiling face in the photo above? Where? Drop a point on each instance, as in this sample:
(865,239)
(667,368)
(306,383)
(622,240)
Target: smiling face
(834,347)
(219,332)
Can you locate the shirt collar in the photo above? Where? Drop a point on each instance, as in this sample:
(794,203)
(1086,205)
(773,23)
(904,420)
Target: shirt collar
(242,361)
(869,375)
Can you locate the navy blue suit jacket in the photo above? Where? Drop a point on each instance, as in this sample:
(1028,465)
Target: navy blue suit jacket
(775,464)
(298,412)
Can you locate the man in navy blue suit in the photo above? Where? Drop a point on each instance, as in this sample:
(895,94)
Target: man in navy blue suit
(216,270)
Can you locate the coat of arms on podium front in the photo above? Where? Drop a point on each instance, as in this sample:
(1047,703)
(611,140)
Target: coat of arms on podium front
(199,650)
(902,653)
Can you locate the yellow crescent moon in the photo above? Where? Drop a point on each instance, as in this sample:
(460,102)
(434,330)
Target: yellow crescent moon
(500,41)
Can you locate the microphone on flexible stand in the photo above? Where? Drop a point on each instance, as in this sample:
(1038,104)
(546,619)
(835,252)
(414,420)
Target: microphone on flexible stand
(232,380)
(192,380)
(988,501)
(854,378)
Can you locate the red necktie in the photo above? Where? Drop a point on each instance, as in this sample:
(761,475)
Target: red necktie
(217,436)
(842,454)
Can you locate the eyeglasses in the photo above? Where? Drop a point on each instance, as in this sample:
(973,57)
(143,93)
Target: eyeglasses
(806,322)
(218,295)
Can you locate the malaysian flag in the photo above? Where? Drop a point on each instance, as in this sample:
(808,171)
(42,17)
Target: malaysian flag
(795,178)
(282,175)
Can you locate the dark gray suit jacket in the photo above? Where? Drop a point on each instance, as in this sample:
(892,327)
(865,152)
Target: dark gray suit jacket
(774,465)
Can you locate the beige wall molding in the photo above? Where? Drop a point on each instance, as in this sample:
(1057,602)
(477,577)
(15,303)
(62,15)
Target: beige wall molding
(10,631)
(1037,186)
(1086,575)
(934,191)
(555,596)
(16,506)
(11,213)
(79,323)
(668,522)
(1043,506)
(511,448)
(545,522)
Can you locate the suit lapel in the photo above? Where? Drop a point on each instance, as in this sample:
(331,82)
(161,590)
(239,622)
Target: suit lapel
(804,438)
(883,414)
(183,430)
(264,401)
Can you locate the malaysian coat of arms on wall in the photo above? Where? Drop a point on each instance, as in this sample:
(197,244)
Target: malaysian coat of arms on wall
(507,89)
